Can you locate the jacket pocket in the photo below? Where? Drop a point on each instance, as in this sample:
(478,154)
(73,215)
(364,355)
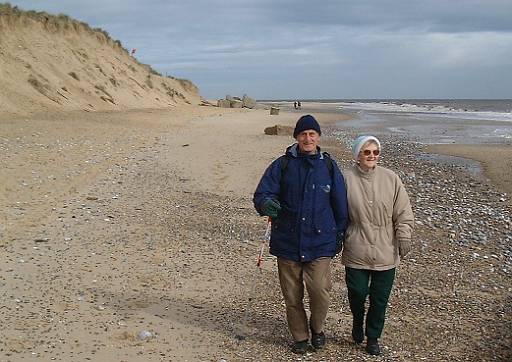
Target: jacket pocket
(324,220)
(285,223)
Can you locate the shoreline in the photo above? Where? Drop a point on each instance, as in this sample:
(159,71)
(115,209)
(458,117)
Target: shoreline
(496,160)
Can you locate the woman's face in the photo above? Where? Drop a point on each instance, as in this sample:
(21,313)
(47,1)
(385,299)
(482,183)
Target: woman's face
(368,156)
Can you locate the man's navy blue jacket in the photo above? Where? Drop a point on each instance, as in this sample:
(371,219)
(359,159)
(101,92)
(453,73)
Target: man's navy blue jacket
(314,205)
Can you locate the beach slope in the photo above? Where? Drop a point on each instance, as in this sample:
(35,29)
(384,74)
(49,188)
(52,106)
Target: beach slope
(131,236)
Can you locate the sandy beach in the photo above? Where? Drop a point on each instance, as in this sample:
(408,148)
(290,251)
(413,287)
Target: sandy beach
(131,236)
(127,230)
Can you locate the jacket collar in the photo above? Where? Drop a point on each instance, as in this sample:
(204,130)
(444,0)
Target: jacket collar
(365,174)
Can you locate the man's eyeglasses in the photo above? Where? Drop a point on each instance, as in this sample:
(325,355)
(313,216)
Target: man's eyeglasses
(369,152)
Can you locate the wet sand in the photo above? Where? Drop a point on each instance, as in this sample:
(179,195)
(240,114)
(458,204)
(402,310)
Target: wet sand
(496,160)
(471,139)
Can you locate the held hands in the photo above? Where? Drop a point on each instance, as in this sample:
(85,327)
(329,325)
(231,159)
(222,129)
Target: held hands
(404,248)
(340,239)
(271,208)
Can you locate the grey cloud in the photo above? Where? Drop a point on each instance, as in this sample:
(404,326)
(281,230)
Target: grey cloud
(304,48)
(429,15)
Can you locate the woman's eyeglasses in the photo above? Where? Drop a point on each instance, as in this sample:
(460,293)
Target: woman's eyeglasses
(369,152)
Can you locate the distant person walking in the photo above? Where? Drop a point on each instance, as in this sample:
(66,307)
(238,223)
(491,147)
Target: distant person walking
(303,192)
(378,235)
(299,105)
(295,105)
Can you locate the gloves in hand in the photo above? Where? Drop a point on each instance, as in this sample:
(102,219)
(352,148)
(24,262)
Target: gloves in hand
(340,238)
(404,248)
(271,208)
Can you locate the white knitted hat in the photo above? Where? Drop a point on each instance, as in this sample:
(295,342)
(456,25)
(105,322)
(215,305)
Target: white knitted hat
(360,141)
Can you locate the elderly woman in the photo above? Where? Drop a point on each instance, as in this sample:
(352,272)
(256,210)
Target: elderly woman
(378,235)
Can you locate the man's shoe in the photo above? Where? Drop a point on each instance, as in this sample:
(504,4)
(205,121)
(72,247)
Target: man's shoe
(357,333)
(300,347)
(372,346)
(318,340)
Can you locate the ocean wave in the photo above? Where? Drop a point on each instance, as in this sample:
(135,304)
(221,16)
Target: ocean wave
(428,109)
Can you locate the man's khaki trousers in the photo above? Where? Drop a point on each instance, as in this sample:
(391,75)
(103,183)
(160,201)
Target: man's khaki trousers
(317,277)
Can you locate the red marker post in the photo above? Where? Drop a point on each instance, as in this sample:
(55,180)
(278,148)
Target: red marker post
(264,241)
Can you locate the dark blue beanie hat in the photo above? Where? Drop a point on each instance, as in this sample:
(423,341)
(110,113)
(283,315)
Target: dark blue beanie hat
(305,123)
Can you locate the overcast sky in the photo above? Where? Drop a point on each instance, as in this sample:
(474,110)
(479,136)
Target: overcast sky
(303,49)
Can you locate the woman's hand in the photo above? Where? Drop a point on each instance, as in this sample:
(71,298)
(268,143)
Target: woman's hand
(404,247)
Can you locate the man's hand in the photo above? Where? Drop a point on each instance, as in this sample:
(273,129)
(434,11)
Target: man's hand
(340,239)
(404,248)
(271,208)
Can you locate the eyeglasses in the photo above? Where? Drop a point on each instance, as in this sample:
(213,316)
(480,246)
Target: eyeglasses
(369,152)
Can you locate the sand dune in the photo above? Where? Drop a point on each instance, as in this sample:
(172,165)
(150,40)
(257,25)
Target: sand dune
(50,63)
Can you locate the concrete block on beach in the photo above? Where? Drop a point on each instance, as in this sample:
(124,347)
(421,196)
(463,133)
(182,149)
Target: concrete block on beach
(279,130)
(248,102)
(224,103)
(235,103)
(274,111)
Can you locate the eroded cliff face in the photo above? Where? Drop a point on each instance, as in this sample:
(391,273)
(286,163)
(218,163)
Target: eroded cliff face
(50,63)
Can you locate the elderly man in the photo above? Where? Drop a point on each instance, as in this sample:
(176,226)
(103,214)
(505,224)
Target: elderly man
(304,194)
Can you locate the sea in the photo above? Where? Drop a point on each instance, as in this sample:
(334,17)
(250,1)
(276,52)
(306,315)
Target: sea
(431,121)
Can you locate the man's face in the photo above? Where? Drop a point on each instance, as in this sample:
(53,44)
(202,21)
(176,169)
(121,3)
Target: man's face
(308,140)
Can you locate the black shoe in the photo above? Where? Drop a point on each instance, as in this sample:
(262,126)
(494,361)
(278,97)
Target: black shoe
(300,347)
(318,340)
(357,333)
(372,346)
